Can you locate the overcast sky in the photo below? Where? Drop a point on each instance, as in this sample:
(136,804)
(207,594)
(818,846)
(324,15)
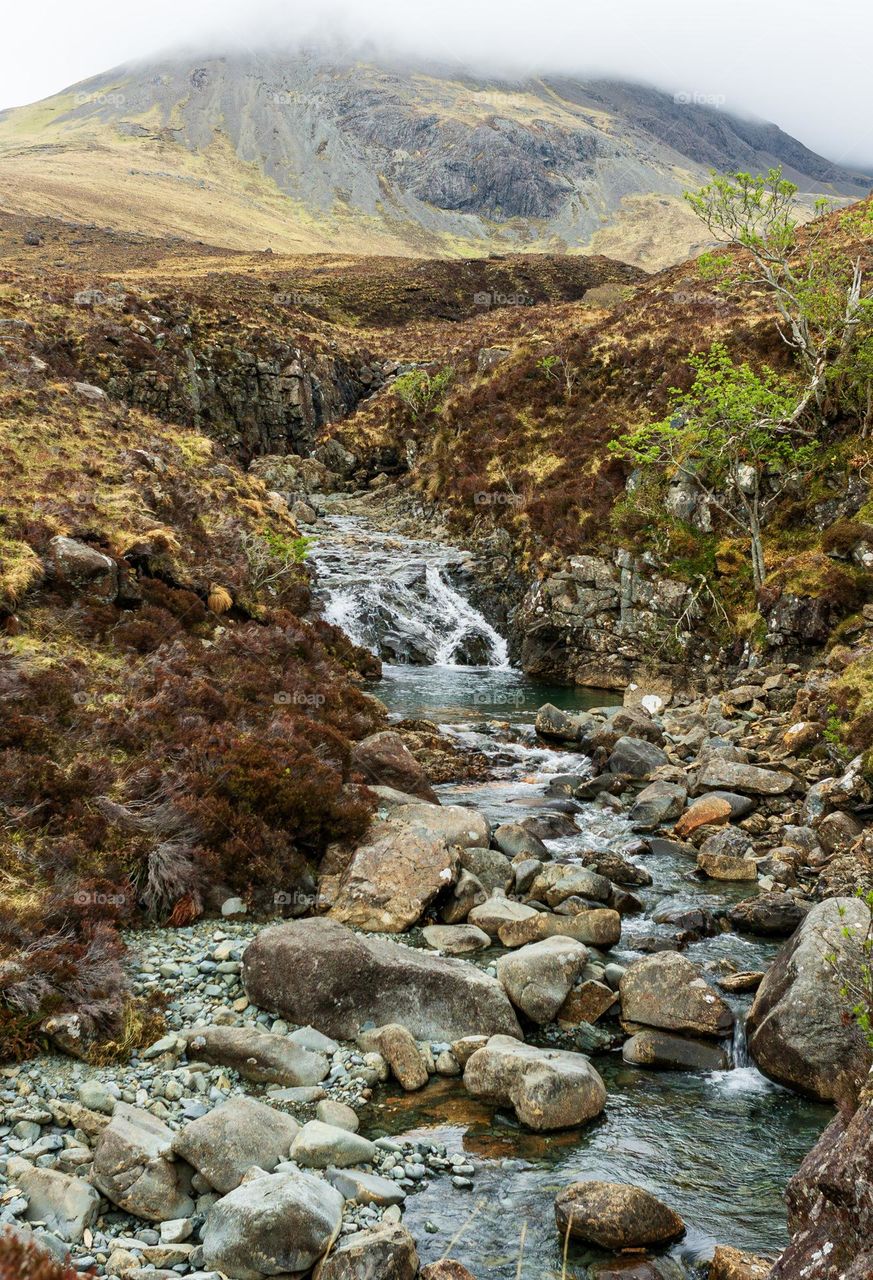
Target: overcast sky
(802,63)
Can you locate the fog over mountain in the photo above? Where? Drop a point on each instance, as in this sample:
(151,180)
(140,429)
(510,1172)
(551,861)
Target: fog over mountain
(786,61)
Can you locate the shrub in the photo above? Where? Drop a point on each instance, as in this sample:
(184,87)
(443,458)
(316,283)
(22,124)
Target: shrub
(26,1260)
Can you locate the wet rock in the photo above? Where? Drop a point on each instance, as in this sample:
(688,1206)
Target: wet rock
(771,914)
(730,840)
(384,758)
(134,1167)
(454,823)
(386,1251)
(798,1030)
(393,877)
(257,1055)
(558,881)
(692,922)
(748,779)
(733,1264)
(615,1215)
(318,972)
(705,812)
(456,939)
(724,866)
(319,1145)
(491,868)
(600,927)
(666,1052)
(586,1003)
(228,1140)
(562,726)
(512,839)
(537,978)
(497,912)
(635,758)
(399,1049)
(547,1088)
(465,894)
(66,1205)
(272,1225)
(445,1269)
(550,825)
(747,980)
(830,1202)
(365,1188)
(658,803)
(617,869)
(667,991)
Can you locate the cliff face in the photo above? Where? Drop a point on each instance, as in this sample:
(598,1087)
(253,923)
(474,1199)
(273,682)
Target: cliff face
(830,1203)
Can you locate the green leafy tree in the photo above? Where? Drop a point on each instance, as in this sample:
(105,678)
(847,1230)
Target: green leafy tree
(814,277)
(422,392)
(735,435)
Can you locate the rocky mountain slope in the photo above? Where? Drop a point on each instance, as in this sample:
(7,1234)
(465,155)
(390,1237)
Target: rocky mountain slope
(305,152)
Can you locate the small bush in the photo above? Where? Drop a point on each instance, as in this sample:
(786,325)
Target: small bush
(28,1261)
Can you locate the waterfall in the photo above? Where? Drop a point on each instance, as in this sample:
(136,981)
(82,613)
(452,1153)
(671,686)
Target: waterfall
(739,1047)
(393,595)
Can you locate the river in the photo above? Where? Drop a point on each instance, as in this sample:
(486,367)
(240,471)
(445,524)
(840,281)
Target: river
(719,1146)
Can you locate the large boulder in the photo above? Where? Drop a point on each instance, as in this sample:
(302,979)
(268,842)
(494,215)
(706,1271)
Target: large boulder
(491,868)
(454,823)
(562,726)
(615,1215)
(547,1088)
(830,1203)
(383,1252)
(558,881)
(66,1205)
(320,973)
(393,877)
(259,1056)
(665,1052)
(228,1140)
(600,927)
(771,914)
(77,566)
(656,804)
(385,760)
(514,840)
(798,1026)
(135,1168)
(666,990)
(732,775)
(273,1225)
(635,758)
(537,978)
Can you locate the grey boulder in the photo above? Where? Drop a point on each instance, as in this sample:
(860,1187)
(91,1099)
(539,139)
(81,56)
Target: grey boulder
(547,1088)
(66,1205)
(225,1143)
(273,1225)
(319,972)
(135,1168)
(259,1056)
(666,990)
(537,978)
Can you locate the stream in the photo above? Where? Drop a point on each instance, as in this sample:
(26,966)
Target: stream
(718,1147)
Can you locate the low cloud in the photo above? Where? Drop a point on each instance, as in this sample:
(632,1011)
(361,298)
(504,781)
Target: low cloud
(782,60)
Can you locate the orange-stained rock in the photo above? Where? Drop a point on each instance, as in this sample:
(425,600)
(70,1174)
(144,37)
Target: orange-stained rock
(706,811)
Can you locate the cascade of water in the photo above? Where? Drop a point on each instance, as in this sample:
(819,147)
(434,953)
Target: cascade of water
(393,597)
(739,1048)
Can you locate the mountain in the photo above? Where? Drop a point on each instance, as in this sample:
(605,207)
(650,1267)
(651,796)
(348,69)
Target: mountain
(308,153)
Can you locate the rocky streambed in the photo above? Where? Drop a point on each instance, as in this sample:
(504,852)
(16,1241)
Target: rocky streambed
(513,1029)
